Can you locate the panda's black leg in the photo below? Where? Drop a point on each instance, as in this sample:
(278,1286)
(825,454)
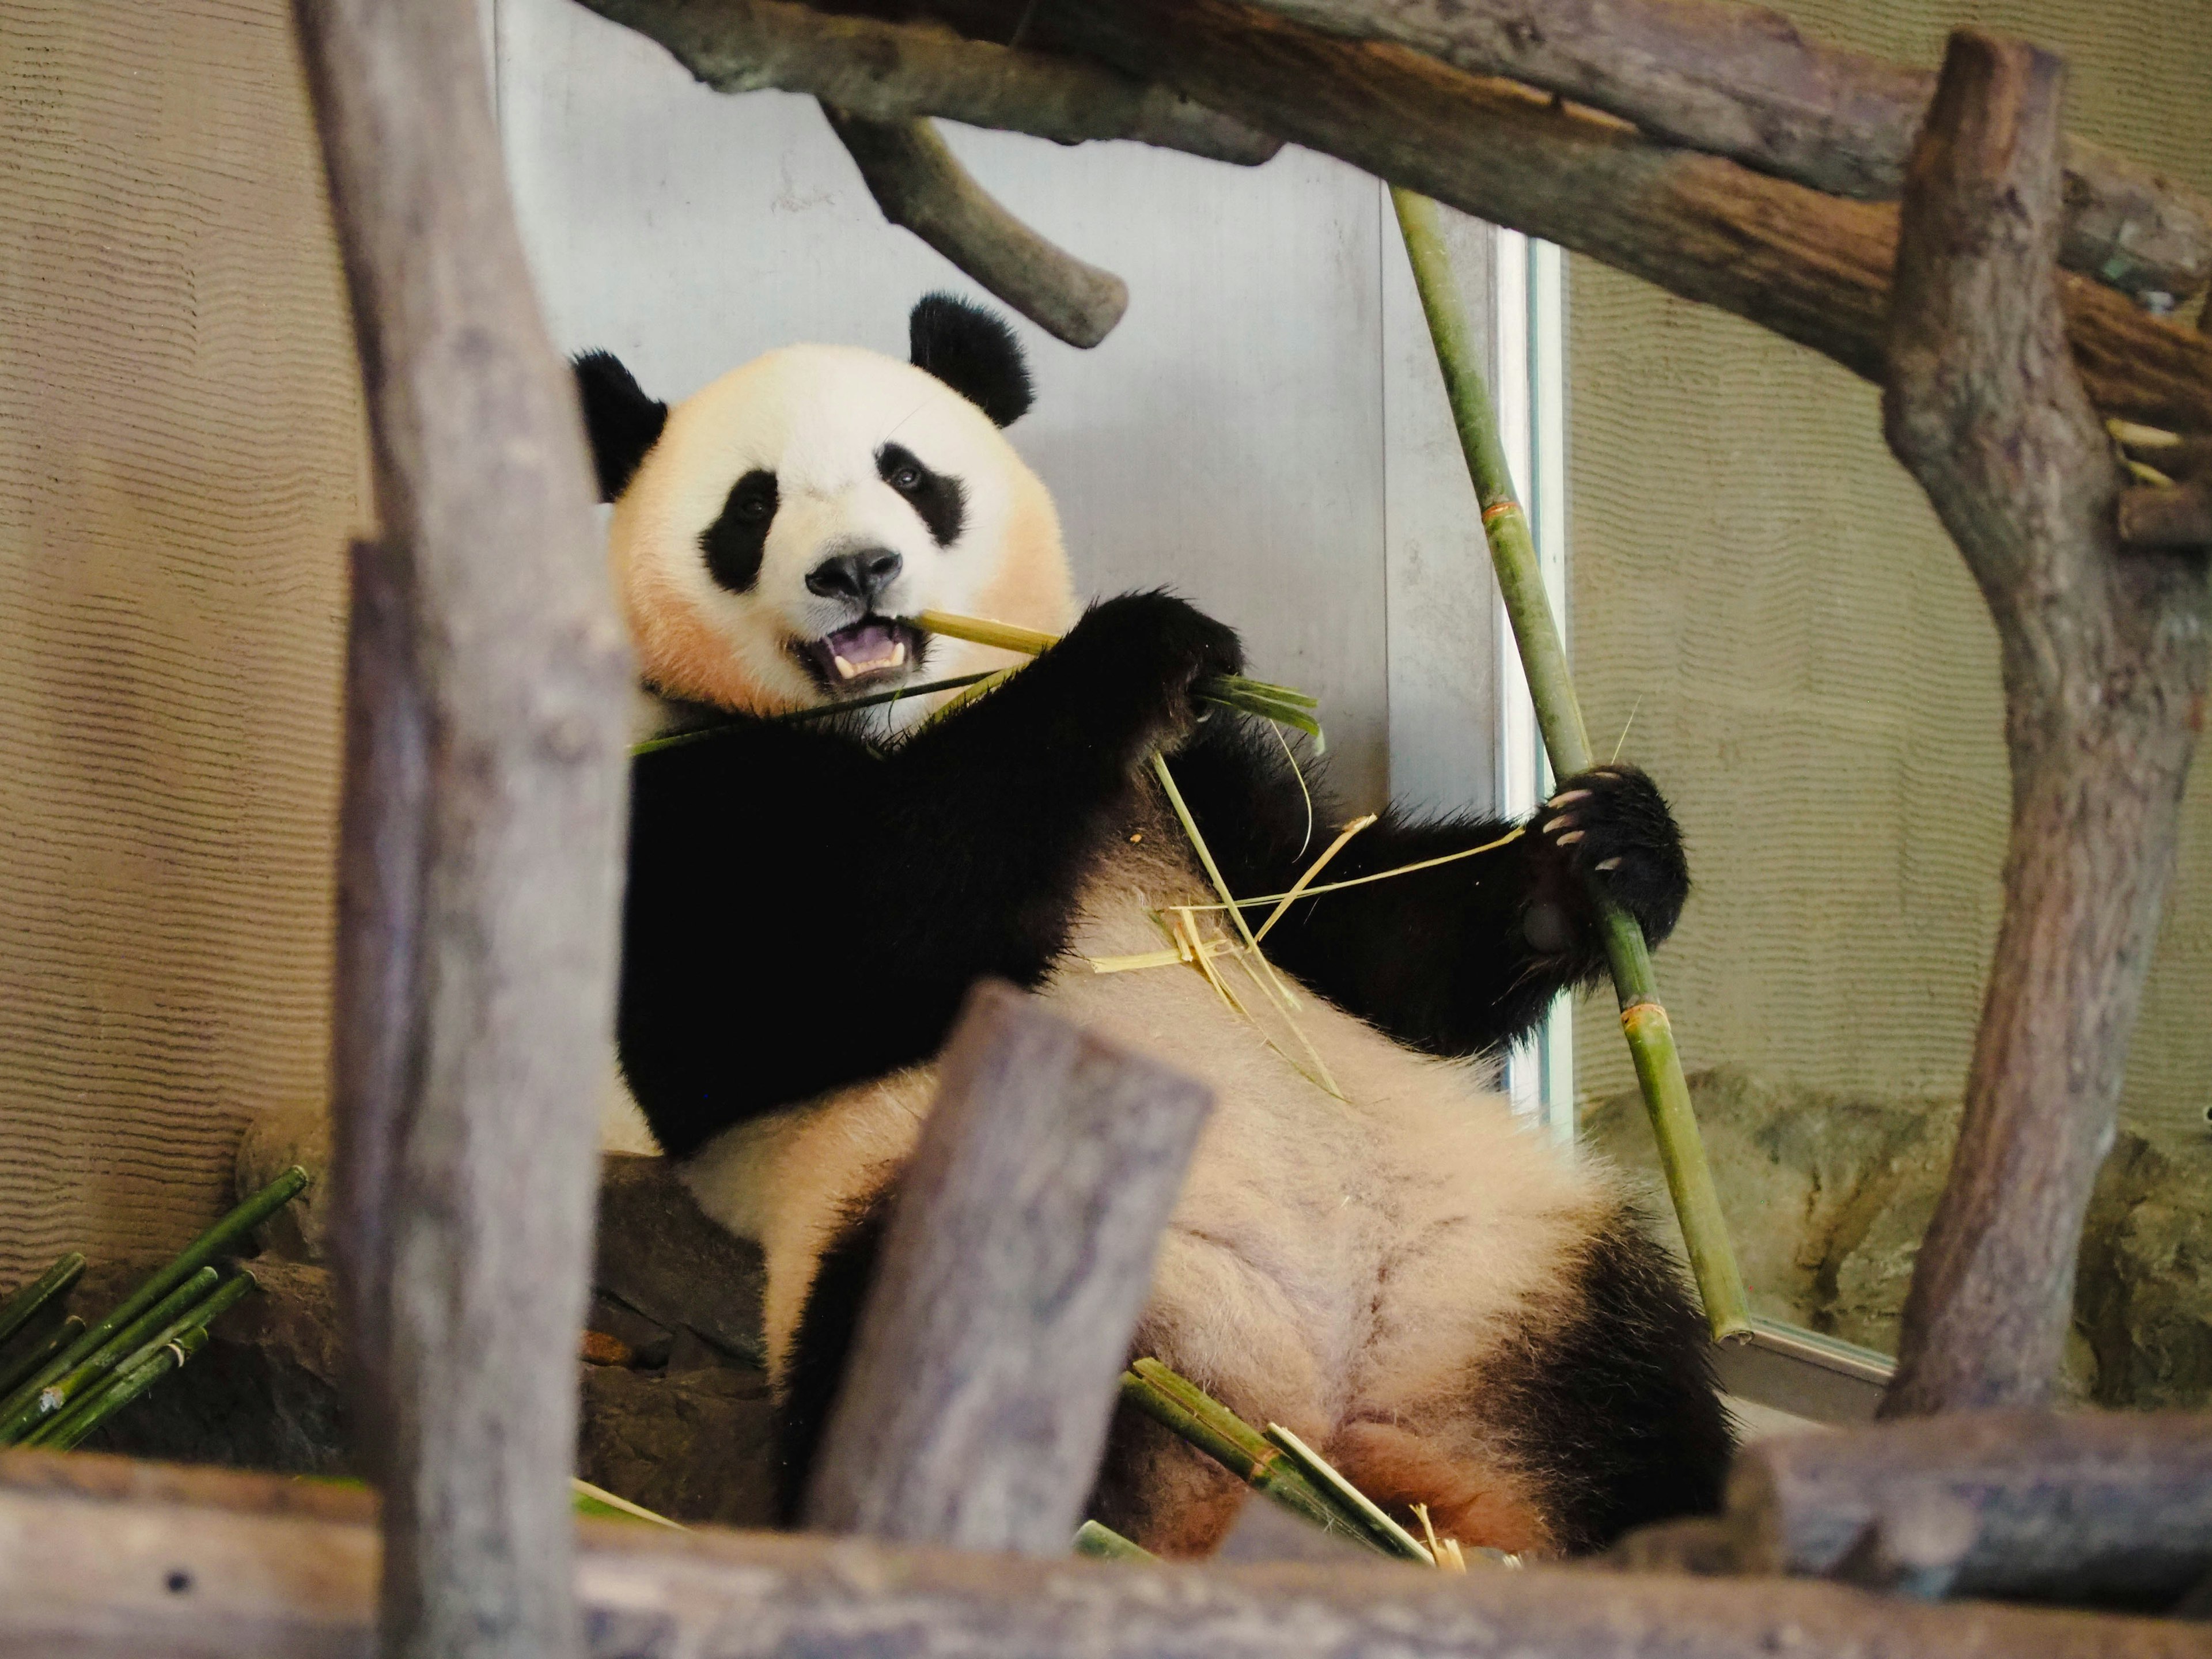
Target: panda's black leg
(1461,957)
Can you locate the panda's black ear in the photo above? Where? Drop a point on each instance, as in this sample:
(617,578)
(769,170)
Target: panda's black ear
(623,424)
(973,351)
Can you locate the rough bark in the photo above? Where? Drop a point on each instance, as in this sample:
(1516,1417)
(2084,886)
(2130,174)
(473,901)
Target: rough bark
(921,185)
(501,1006)
(887,71)
(1811,267)
(242,1566)
(987,1362)
(2104,665)
(2102,1507)
(1741,81)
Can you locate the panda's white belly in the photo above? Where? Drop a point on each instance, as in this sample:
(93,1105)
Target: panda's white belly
(1342,1257)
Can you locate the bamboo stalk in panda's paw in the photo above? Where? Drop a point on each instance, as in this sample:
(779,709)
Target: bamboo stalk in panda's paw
(1281,704)
(1558,716)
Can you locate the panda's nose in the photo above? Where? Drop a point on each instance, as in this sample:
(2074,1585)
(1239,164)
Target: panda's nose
(855,575)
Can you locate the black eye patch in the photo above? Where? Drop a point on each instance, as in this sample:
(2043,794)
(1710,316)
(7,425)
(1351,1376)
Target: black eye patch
(733,543)
(937,497)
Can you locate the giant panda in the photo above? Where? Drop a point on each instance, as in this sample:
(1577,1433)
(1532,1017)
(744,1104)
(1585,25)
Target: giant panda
(1454,1309)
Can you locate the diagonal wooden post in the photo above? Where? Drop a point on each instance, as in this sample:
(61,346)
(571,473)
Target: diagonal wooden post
(2104,657)
(483,839)
(987,1359)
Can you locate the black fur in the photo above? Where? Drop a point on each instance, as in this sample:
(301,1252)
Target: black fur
(734,542)
(935,497)
(621,421)
(972,350)
(821,1345)
(1617,1415)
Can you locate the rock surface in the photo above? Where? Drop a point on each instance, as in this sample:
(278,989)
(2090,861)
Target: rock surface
(1827,1196)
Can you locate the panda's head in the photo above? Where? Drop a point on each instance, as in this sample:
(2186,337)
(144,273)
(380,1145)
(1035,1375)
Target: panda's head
(770,530)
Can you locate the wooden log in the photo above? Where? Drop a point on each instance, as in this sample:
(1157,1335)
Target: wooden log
(921,185)
(1811,267)
(519,663)
(257,1578)
(887,71)
(987,1362)
(2177,517)
(1741,81)
(2103,1507)
(2104,661)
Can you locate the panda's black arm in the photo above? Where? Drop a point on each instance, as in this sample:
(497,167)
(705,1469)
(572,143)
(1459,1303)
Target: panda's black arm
(1454,959)
(802,912)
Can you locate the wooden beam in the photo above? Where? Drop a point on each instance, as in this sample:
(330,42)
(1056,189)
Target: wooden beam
(921,185)
(517,674)
(254,1577)
(887,71)
(2104,660)
(2107,1507)
(1741,81)
(1811,267)
(988,1359)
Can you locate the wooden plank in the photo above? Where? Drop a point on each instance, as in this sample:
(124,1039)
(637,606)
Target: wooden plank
(986,1363)
(92,1578)
(2096,1506)
(518,661)
(2104,667)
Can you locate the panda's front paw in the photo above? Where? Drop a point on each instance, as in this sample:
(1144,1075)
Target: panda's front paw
(1158,647)
(1611,827)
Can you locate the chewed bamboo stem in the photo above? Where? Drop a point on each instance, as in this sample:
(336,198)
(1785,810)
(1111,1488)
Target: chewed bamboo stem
(1558,716)
(1104,1544)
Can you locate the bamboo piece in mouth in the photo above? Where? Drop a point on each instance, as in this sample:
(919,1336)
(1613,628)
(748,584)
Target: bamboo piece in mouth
(1558,716)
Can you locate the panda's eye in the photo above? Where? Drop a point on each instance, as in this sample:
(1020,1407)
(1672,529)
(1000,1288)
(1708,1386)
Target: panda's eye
(751,508)
(905,479)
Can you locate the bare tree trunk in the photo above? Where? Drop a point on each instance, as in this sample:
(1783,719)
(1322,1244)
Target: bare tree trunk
(2104,661)
(479,1008)
(987,1362)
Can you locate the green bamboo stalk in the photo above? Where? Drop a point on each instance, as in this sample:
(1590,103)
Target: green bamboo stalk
(17,1310)
(40,1402)
(126,1388)
(40,1356)
(92,1401)
(1178,1404)
(1558,716)
(1104,1544)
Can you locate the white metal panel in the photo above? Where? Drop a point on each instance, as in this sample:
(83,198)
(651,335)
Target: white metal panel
(1227,438)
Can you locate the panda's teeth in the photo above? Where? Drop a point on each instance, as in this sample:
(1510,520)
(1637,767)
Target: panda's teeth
(845,670)
(898,654)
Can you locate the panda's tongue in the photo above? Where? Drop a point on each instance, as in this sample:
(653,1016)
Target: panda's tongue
(866,648)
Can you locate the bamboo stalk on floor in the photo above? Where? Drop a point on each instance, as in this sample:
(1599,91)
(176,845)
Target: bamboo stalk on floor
(40,1356)
(1558,716)
(1179,1405)
(18,1310)
(39,1403)
(228,1232)
(180,1337)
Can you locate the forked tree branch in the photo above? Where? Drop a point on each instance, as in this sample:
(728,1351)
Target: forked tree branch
(920,185)
(1741,81)
(891,72)
(2104,659)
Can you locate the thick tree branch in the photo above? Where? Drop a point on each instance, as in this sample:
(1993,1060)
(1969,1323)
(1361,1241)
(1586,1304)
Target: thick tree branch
(891,72)
(268,1569)
(1810,266)
(1741,81)
(493,673)
(2104,661)
(988,1359)
(919,183)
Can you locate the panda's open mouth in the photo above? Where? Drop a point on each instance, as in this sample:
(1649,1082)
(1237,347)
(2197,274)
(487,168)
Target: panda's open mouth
(862,653)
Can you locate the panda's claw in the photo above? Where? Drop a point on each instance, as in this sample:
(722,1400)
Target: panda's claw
(1620,838)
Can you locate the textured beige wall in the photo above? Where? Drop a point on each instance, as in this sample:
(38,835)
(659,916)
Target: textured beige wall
(180,459)
(1813,678)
